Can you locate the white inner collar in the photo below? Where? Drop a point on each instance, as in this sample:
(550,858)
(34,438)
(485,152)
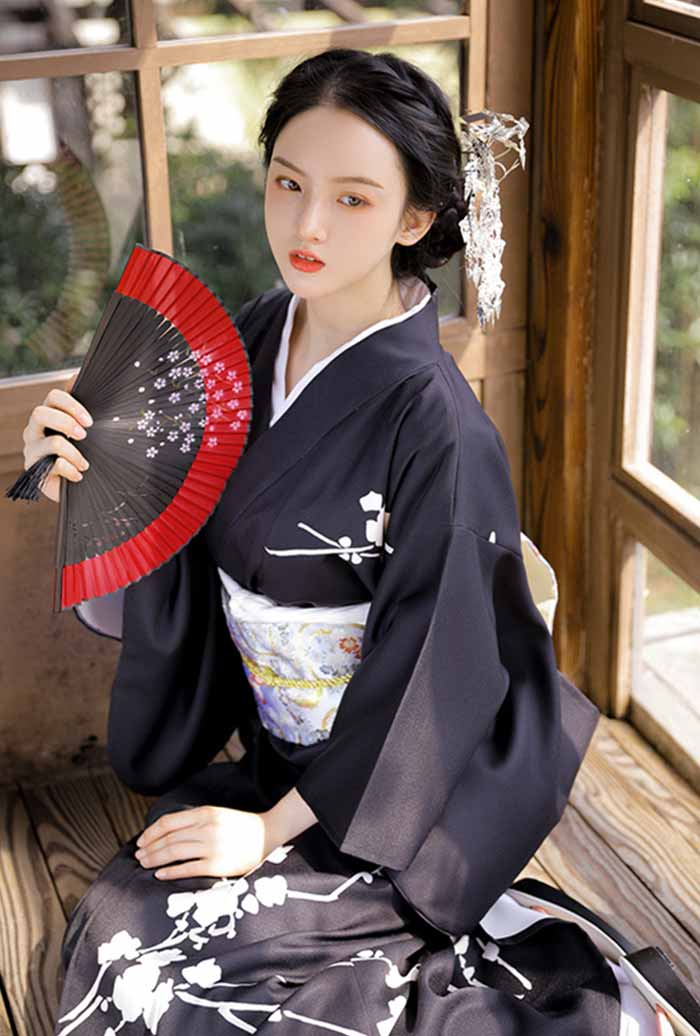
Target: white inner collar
(415,294)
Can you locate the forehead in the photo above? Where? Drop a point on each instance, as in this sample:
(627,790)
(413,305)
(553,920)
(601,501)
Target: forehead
(327,142)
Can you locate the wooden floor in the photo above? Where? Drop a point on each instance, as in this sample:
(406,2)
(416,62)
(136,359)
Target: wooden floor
(628,845)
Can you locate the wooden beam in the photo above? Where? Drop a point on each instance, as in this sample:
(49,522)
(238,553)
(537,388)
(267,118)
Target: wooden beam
(245,46)
(562,256)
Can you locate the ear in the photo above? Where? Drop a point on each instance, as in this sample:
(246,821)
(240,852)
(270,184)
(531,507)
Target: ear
(415,225)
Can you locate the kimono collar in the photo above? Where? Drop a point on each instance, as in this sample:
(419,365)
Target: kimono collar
(389,353)
(414,293)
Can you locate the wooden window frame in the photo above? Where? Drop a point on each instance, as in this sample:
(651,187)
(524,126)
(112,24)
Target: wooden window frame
(632,501)
(498,77)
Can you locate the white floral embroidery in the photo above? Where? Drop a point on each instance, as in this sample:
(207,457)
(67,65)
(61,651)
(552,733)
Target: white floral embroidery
(372,501)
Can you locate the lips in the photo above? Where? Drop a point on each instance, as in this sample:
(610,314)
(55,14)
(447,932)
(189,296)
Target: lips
(305,265)
(306,257)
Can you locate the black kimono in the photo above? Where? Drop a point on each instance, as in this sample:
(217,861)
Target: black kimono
(450,758)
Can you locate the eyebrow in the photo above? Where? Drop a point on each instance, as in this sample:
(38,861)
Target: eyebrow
(334,179)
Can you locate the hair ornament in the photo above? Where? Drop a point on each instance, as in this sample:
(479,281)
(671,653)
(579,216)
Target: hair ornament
(484,171)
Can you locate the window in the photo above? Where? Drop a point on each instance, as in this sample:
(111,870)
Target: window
(119,83)
(644,633)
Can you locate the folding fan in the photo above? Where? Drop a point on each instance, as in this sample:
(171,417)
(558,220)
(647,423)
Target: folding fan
(168,384)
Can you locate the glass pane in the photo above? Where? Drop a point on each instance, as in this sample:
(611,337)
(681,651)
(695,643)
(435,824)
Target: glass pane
(666,646)
(183,19)
(70,183)
(62,23)
(675,434)
(216,173)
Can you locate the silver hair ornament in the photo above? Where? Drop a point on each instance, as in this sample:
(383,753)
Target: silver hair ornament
(482,233)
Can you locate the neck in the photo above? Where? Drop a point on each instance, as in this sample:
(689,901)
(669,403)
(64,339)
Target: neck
(322,324)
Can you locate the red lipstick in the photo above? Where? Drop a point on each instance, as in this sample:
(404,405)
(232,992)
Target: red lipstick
(307,262)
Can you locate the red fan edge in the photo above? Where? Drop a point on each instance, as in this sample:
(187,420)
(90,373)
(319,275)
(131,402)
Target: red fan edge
(157,543)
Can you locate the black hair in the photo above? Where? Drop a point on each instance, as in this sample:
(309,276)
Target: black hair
(411,110)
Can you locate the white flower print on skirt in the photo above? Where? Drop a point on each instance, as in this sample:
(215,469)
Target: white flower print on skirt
(311,941)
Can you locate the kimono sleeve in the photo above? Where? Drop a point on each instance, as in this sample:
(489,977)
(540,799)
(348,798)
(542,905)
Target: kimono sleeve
(179,690)
(441,662)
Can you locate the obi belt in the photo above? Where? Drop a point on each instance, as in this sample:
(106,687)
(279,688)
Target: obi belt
(299,660)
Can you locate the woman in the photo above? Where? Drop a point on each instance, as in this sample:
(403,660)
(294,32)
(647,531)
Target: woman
(357,608)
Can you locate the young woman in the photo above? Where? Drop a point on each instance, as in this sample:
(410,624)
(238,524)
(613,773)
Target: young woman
(357,607)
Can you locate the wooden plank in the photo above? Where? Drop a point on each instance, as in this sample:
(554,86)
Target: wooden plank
(534,869)
(639,764)
(640,834)
(562,259)
(503,399)
(32,925)
(74,832)
(664,56)
(5,1023)
(675,543)
(586,867)
(154,160)
(125,808)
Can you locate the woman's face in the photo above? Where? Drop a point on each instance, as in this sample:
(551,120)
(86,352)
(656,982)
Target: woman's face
(313,204)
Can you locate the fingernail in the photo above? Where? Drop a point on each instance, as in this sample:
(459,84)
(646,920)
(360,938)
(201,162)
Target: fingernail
(85,464)
(79,432)
(80,476)
(86,419)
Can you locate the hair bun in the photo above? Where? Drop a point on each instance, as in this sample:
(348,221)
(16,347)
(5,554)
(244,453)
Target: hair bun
(445,237)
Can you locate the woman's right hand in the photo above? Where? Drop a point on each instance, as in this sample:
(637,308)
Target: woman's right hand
(59,411)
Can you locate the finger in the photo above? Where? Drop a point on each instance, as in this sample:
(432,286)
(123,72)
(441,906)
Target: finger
(168,822)
(169,843)
(65,469)
(193,869)
(43,417)
(174,853)
(65,401)
(59,445)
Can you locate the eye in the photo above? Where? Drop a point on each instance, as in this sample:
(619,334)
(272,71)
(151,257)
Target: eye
(360,201)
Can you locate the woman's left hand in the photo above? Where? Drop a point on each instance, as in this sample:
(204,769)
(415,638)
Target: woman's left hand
(216,842)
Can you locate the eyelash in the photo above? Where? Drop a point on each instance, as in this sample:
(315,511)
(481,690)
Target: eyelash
(361,200)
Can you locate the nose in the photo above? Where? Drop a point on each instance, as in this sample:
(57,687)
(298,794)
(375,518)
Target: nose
(311,225)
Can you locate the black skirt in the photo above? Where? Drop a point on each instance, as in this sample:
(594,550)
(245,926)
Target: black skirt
(313,941)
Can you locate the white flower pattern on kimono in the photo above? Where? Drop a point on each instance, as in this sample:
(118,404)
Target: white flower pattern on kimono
(138,993)
(372,501)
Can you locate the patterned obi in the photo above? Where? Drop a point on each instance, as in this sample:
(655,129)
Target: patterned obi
(298,660)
